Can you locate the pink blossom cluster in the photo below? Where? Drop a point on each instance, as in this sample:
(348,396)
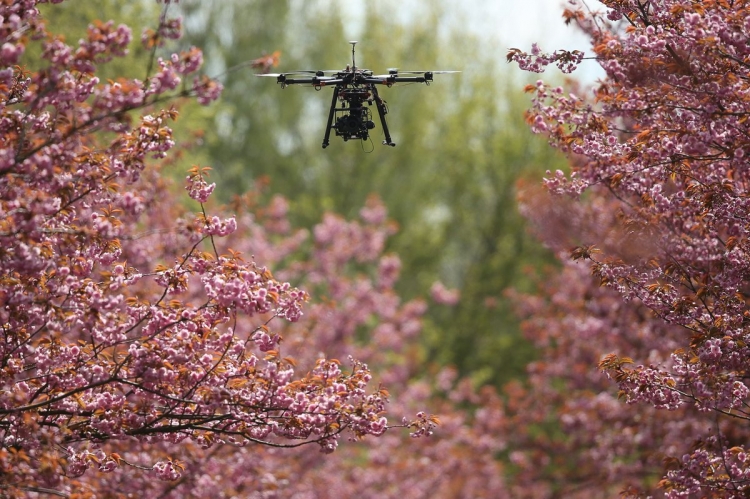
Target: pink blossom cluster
(197,186)
(695,469)
(129,327)
(443,295)
(344,305)
(168,29)
(537,61)
(206,90)
(659,170)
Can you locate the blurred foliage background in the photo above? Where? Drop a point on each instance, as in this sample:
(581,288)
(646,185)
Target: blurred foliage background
(450,182)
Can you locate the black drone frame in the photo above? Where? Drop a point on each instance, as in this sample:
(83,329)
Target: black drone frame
(353,88)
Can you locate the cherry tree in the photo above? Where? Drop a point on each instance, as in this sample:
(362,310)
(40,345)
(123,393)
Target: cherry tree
(130,327)
(356,313)
(659,168)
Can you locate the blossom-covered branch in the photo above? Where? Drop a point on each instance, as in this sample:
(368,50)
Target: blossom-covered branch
(110,335)
(659,159)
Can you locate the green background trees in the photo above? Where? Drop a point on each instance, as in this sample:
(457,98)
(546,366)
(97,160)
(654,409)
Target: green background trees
(449,184)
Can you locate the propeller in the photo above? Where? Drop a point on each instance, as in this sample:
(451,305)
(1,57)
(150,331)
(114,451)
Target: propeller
(312,71)
(292,73)
(420,72)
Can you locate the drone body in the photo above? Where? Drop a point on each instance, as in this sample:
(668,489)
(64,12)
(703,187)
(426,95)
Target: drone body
(355,91)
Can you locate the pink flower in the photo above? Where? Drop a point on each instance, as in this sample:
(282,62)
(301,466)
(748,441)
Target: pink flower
(444,296)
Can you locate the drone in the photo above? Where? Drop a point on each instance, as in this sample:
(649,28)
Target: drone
(353,87)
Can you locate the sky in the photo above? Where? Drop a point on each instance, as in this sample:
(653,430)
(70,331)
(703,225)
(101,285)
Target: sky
(523,22)
(504,23)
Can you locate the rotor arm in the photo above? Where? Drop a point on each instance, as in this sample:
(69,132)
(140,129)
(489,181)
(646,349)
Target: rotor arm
(395,78)
(412,79)
(284,80)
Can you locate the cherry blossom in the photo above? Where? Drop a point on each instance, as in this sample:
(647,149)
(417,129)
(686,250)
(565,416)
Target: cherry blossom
(130,326)
(659,168)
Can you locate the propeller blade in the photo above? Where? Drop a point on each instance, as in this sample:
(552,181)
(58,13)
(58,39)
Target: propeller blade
(288,73)
(423,72)
(311,71)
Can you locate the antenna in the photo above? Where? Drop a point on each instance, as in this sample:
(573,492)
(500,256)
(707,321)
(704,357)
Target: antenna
(354,66)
